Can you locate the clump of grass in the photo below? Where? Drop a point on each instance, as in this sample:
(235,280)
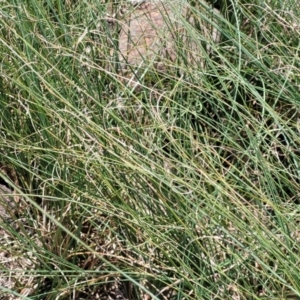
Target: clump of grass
(185,188)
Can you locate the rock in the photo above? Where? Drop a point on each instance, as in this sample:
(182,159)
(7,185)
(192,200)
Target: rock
(150,31)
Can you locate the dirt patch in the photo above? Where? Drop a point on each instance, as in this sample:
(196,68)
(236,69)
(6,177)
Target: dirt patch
(15,259)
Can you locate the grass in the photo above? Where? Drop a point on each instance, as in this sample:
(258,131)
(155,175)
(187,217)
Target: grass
(185,186)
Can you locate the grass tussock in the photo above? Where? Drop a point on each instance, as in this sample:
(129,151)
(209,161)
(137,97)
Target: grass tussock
(179,182)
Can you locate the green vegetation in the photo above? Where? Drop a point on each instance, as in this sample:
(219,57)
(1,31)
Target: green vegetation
(182,186)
